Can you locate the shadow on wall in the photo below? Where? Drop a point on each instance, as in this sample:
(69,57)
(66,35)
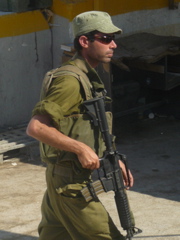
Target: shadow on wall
(9,235)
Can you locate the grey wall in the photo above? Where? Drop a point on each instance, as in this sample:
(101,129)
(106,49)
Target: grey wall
(25,59)
(23,62)
(160,21)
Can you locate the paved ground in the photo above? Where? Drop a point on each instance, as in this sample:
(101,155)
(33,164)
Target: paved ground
(153,150)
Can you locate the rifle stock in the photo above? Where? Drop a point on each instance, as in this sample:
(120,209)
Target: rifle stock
(109,173)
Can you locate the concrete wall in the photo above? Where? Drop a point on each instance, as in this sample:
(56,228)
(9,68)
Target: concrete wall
(61,34)
(160,21)
(25,58)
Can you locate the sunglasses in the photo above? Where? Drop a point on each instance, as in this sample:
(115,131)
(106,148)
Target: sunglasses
(105,39)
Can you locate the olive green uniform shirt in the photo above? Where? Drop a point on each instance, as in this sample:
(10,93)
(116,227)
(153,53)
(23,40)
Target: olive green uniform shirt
(65,94)
(64,98)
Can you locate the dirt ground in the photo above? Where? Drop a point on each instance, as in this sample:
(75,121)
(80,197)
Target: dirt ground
(153,150)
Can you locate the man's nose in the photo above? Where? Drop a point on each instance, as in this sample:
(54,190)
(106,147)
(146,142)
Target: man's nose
(113,44)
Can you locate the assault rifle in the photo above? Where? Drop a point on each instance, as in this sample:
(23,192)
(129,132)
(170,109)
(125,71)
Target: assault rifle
(109,176)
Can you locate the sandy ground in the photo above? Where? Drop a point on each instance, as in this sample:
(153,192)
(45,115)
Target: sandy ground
(153,150)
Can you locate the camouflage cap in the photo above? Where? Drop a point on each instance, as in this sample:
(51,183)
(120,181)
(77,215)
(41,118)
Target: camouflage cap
(93,20)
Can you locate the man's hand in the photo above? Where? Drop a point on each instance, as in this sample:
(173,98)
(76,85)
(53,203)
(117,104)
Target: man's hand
(127,182)
(88,158)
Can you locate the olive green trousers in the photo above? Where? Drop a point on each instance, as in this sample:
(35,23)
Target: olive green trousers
(65,213)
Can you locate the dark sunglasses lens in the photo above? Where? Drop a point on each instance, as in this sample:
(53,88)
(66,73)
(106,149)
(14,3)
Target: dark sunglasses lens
(107,39)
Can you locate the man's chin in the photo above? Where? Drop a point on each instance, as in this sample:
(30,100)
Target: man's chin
(106,60)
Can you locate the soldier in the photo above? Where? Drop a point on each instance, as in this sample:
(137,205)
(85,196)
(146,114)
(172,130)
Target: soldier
(68,143)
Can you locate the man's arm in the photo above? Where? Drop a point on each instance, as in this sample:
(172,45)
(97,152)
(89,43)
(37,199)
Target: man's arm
(41,129)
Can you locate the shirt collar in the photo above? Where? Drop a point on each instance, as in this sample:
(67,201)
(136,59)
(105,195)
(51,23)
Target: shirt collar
(91,73)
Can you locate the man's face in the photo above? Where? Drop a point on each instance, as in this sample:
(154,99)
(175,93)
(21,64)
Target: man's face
(100,49)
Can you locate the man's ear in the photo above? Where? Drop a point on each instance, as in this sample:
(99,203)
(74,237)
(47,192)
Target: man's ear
(83,40)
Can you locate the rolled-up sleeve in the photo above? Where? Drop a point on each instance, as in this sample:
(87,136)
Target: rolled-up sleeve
(63,98)
(48,108)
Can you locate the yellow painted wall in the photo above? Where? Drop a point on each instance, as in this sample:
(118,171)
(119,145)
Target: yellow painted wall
(22,23)
(69,11)
(113,7)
